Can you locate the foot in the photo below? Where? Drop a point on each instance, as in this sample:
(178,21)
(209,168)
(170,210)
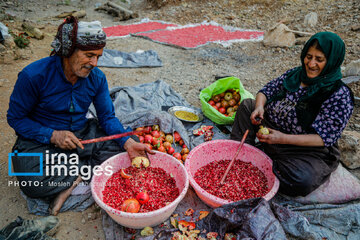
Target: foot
(57,203)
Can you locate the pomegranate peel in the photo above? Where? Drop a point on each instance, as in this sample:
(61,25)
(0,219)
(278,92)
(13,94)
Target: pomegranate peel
(140,161)
(123,174)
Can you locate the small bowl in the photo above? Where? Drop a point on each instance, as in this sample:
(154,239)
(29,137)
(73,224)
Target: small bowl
(174,109)
(208,152)
(141,220)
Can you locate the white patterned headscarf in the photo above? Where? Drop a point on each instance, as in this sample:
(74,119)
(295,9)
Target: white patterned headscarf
(82,35)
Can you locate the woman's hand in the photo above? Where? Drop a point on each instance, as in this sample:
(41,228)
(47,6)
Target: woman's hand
(274,137)
(257,116)
(135,149)
(277,137)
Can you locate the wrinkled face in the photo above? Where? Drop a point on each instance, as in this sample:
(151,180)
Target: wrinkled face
(315,62)
(82,62)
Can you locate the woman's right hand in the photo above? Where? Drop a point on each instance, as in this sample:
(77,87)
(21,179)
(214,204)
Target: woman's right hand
(257,115)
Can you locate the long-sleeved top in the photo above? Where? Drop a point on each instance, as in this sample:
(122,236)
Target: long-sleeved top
(43,101)
(334,113)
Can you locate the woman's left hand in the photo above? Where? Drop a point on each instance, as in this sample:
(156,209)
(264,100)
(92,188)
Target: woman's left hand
(274,137)
(135,149)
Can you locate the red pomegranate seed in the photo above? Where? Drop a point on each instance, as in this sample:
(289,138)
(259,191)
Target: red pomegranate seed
(160,186)
(243,181)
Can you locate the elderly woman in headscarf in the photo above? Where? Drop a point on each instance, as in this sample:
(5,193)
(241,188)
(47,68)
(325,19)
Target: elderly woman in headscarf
(305,110)
(48,110)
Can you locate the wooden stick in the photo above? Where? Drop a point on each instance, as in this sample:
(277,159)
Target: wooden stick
(111,137)
(301,33)
(236,154)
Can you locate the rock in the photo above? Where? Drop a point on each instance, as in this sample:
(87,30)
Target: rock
(279,36)
(352,69)
(32,31)
(349,145)
(355,28)
(2,81)
(9,42)
(2,48)
(311,20)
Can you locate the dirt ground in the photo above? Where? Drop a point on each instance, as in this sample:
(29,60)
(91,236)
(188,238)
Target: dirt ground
(187,71)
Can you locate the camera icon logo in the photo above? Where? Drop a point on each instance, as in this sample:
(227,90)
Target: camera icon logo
(23,156)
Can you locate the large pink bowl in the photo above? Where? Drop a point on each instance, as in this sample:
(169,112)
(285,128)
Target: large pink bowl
(141,220)
(225,150)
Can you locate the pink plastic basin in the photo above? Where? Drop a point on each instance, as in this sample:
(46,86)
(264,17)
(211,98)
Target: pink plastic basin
(141,220)
(224,149)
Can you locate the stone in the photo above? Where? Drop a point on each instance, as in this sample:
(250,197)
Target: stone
(3,81)
(2,48)
(352,69)
(349,145)
(279,36)
(355,28)
(311,20)
(9,42)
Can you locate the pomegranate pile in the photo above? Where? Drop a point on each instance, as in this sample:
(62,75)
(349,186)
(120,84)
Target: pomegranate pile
(141,189)
(243,181)
(163,142)
(227,102)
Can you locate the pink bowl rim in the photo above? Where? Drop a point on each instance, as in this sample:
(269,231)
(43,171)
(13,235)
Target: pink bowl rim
(147,214)
(222,201)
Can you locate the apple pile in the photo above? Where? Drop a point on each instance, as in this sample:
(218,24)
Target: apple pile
(226,103)
(156,139)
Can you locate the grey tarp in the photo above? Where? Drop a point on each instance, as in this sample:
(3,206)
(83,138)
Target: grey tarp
(117,59)
(298,221)
(141,105)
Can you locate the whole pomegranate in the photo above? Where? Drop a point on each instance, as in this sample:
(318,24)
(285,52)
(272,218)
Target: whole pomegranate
(130,205)
(142,197)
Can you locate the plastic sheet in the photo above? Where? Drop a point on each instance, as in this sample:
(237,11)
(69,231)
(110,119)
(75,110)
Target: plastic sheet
(255,218)
(117,59)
